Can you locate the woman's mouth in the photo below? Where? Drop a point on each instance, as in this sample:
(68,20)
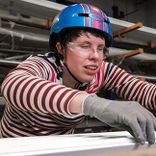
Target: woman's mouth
(91,70)
(91,67)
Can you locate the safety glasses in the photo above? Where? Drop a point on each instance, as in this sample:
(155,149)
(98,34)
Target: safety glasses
(86,50)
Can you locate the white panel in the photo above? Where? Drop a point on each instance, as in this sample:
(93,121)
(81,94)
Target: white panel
(71,145)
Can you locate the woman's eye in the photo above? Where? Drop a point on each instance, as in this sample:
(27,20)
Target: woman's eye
(100,49)
(85,46)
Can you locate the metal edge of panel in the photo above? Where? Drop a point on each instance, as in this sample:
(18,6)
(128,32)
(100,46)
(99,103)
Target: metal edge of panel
(86,144)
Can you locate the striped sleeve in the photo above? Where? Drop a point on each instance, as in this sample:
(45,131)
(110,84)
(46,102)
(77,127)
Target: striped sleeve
(129,87)
(32,87)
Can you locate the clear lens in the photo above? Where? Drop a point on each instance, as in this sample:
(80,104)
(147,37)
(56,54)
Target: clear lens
(85,50)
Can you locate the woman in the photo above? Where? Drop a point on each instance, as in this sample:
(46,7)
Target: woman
(50,94)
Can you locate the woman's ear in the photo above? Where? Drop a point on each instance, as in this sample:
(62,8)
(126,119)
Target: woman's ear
(59,48)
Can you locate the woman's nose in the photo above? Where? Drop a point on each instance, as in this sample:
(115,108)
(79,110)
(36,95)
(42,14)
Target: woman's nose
(94,53)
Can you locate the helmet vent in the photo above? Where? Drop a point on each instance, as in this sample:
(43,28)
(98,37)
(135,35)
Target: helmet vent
(83,14)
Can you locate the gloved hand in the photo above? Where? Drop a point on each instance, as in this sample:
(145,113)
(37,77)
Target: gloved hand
(128,115)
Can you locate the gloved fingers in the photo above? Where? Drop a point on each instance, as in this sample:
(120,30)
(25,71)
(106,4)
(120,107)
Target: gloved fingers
(154,121)
(147,121)
(153,118)
(150,132)
(142,124)
(150,125)
(135,129)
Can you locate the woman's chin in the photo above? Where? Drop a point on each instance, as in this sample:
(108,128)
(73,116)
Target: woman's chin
(87,79)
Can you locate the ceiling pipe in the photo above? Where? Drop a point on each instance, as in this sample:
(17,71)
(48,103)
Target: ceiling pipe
(25,35)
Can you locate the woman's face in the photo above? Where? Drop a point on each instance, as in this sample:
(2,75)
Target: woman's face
(84,56)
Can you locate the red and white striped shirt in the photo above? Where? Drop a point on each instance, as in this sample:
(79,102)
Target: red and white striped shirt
(38,102)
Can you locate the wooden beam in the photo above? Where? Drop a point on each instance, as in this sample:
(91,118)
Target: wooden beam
(128,29)
(132,53)
(118,59)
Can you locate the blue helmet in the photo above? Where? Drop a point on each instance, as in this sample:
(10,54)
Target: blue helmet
(81,16)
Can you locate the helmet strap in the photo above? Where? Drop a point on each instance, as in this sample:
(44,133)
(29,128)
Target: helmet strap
(71,74)
(79,85)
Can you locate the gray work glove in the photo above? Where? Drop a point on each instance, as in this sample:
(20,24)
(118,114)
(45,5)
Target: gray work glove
(127,115)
